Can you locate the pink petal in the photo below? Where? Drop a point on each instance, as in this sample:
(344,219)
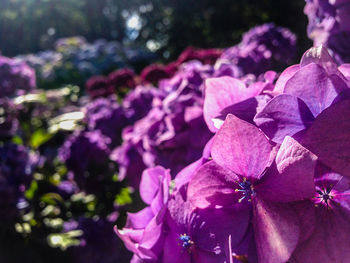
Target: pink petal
(221,93)
(241,147)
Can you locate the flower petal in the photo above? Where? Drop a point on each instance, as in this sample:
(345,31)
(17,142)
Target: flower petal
(212,185)
(292,178)
(233,220)
(329,242)
(221,93)
(276,231)
(313,85)
(329,137)
(284,77)
(151,181)
(283,115)
(241,147)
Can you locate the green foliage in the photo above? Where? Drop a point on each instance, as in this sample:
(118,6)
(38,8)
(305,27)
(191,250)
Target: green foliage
(39,137)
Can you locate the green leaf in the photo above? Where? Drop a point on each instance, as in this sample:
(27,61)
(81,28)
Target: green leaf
(29,194)
(123,198)
(39,137)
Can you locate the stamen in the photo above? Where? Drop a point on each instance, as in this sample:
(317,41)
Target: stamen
(186,241)
(247,190)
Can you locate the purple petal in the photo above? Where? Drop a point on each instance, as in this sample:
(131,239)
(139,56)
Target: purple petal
(293,176)
(247,109)
(319,55)
(212,185)
(140,219)
(276,231)
(233,221)
(241,147)
(221,93)
(329,242)
(329,137)
(284,77)
(151,181)
(173,252)
(283,115)
(313,85)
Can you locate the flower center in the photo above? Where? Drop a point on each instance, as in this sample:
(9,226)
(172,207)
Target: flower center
(186,241)
(323,196)
(247,190)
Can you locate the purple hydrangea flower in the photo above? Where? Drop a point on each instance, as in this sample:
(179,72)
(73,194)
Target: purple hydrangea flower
(255,186)
(143,233)
(329,25)
(230,95)
(138,102)
(85,154)
(326,218)
(16,170)
(107,116)
(261,48)
(8,118)
(308,89)
(172,135)
(16,78)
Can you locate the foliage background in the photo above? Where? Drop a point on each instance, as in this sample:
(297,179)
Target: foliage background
(167,26)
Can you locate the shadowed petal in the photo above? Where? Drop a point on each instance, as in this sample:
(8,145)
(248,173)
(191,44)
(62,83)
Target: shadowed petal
(247,109)
(329,137)
(223,92)
(276,231)
(211,227)
(241,147)
(212,185)
(293,176)
(329,242)
(283,115)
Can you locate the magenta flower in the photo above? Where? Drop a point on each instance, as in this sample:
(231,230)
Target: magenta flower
(230,95)
(327,216)
(247,175)
(143,233)
(308,89)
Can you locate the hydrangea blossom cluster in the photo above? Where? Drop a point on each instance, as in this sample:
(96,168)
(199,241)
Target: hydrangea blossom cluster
(271,186)
(8,118)
(164,135)
(16,171)
(106,116)
(16,78)
(75,60)
(262,48)
(329,25)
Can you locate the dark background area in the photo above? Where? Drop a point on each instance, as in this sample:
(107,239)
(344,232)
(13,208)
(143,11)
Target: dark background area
(27,26)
